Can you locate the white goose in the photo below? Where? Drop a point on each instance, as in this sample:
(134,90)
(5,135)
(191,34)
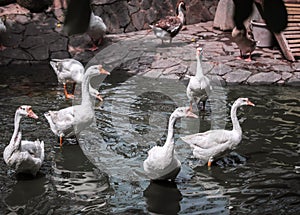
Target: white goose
(72,120)
(199,84)
(161,163)
(71,70)
(96,30)
(169,27)
(26,156)
(2,30)
(211,143)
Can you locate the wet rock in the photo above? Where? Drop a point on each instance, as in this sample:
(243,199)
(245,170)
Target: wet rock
(236,77)
(33,41)
(39,52)
(35,28)
(61,44)
(4,61)
(264,78)
(14,27)
(15,54)
(11,40)
(35,6)
(294,81)
(60,55)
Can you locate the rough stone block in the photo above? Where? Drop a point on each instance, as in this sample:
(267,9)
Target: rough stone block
(264,78)
(236,77)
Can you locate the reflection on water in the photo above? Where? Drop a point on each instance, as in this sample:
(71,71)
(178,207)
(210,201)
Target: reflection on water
(163,197)
(105,175)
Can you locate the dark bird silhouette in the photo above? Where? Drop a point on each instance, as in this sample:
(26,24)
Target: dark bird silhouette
(77,17)
(272,11)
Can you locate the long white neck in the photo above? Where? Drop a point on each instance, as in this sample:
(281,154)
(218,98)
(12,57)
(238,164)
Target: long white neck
(234,119)
(17,120)
(199,72)
(8,151)
(86,98)
(180,14)
(169,144)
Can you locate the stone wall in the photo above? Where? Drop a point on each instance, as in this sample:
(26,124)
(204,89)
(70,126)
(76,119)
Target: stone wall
(127,16)
(38,36)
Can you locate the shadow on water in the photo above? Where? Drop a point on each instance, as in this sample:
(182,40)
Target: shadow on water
(105,175)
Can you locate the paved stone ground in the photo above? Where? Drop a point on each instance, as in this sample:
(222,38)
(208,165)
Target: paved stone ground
(220,62)
(39,39)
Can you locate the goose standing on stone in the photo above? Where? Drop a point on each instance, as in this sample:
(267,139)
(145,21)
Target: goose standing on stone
(169,27)
(72,120)
(71,70)
(245,42)
(2,30)
(96,30)
(199,85)
(211,143)
(161,163)
(26,156)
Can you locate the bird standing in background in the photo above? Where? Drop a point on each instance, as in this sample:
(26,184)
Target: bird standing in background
(169,27)
(96,30)
(245,41)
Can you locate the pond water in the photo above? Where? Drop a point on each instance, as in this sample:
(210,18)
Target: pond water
(103,173)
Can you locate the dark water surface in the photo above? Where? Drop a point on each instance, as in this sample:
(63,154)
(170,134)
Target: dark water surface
(104,174)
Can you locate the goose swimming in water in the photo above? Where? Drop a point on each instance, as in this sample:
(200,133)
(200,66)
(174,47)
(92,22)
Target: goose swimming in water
(211,143)
(72,120)
(26,156)
(161,163)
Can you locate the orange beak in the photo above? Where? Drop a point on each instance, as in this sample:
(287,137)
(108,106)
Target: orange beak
(190,114)
(103,71)
(31,114)
(250,103)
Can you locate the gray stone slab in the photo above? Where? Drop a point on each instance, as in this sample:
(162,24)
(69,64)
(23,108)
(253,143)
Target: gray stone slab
(293,81)
(264,78)
(236,77)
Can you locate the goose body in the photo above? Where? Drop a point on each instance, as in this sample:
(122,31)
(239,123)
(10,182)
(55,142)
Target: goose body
(26,156)
(71,70)
(96,30)
(213,142)
(199,84)
(161,163)
(168,27)
(72,120)
(245,42)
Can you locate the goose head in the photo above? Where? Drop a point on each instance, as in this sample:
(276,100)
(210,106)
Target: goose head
(26,110)
(199,51)
(183,112)
(96,70)
(243,101)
